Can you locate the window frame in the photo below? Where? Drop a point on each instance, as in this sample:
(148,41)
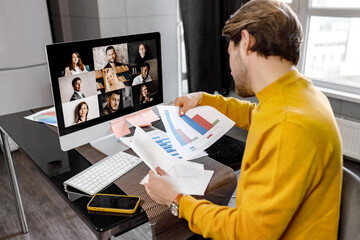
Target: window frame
(343,91)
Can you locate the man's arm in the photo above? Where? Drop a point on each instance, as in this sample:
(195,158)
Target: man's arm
(272,190)
(237,110)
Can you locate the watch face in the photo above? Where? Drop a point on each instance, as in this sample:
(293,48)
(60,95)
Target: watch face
(174,209)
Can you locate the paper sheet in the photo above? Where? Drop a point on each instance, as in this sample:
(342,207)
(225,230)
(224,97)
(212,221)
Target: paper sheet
(198,129)
(163,140)
(152,154)
(47,116)
(195,185)
(190,177)
(149,151)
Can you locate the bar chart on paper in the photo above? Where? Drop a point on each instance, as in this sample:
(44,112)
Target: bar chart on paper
(196,130)
(162,139)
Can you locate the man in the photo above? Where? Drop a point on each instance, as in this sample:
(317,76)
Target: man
(76,84)
(291,173)
(144,76)
(112,104)
(111,57)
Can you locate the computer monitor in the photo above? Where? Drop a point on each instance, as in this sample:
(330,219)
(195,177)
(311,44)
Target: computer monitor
(96,81)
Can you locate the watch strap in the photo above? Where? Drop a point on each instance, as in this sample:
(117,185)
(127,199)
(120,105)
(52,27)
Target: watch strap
(177,199)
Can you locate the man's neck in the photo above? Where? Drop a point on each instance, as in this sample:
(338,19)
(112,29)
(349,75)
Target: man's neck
(265,71)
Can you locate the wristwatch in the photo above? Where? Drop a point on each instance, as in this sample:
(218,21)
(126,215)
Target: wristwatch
(174,206)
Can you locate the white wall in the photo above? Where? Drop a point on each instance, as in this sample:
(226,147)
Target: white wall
(74,19)
(24,78)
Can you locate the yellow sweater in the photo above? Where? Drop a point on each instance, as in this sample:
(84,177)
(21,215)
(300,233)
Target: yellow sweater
(291,172)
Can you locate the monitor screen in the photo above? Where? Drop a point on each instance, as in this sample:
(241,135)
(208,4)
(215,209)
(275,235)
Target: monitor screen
(96,81)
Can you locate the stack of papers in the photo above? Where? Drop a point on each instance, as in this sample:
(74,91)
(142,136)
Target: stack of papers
(195,131)
(163,140)
(186,138)
(190,177)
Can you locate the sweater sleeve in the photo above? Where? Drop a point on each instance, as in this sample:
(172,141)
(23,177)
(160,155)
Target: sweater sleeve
(237,110)
(273,188)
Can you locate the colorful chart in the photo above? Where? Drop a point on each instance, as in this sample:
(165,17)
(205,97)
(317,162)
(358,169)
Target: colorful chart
(163,141)
(198,123)
(46,117)
(196,130)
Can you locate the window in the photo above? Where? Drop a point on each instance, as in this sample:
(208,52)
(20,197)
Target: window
(331,50)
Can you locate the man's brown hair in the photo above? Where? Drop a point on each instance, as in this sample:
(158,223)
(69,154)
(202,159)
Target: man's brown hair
(274,26)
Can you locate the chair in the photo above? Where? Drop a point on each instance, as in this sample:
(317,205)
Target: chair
(349,225)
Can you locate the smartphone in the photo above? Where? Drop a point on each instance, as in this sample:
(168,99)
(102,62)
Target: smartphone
(113,203)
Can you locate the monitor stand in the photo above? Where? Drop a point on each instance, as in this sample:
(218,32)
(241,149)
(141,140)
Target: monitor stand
(109,145)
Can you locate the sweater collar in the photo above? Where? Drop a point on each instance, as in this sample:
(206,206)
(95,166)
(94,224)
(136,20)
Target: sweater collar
(277,86)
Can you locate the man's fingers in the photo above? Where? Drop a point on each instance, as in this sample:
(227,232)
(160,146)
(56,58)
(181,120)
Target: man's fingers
(151,172)
(147,188)
(178,102)
(183,110)
(160,171)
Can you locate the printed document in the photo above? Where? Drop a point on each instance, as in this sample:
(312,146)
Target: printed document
(163,140)
(195,131)
(190,177)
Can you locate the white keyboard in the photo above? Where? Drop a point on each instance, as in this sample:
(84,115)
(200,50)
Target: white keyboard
(98,176)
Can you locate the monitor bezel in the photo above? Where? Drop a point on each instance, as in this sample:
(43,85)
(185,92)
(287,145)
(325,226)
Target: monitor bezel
(52,51)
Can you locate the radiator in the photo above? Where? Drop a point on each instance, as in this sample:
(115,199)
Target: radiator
(350,134)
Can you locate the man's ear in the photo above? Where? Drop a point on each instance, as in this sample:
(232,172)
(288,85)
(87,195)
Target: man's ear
(247,41)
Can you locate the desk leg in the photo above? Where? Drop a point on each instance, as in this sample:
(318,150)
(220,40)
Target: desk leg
(14,183)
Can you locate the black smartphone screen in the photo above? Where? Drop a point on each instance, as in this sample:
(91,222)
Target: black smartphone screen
(116,202)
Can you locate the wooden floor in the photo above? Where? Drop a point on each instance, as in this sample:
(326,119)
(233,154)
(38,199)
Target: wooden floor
(48,215)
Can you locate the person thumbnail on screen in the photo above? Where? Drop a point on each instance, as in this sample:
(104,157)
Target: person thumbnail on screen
(77,87)
(144,76)
(76,84)
(145,94)
(76,111)
(112,103)
(81,112)
(76,65)
(142,55)
(111,56)
(111,80)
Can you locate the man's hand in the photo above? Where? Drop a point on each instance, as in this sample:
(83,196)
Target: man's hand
(161,188)
(188,101)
